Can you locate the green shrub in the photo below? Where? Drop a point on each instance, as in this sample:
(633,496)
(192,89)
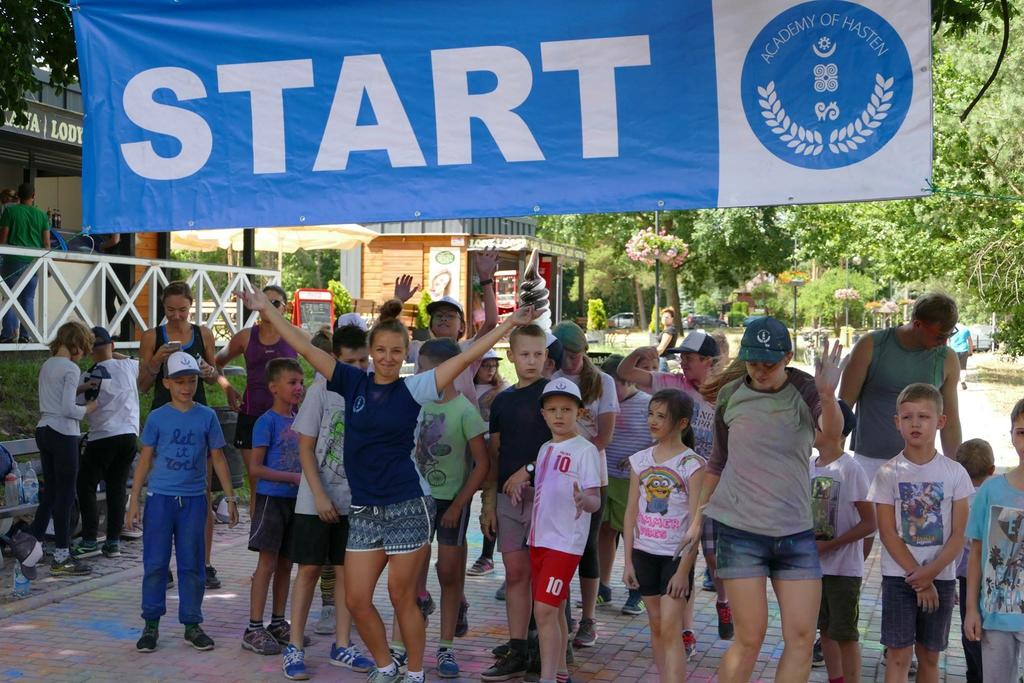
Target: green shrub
(422,317)
(737,312)
(705,305)
(597,318)
(343,302)
(655,318)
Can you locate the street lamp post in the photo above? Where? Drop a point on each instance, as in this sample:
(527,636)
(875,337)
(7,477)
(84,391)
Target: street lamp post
(795,284)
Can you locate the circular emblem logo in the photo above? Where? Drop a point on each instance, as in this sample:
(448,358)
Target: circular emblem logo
(764,336)
(445,258)
(826,84)
(358,406)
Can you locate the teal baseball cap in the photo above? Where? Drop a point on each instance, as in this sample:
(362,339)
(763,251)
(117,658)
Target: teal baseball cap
(765,340)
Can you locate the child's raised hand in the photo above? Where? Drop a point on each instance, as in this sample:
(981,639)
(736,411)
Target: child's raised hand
(524,315)
(404,289)
(253,300)
(629,577)
(826,368)
(928,599)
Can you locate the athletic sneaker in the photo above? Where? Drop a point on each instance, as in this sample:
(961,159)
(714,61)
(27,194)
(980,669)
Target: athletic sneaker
(447,667)
(377,677)
(325,625)
(604,595)
(401,659)
(512,665)
(482,567)
(707,584)
(462,621)
(634,604)
(84,549)
(725,627)
(294,664)
(351,657)
(500,593)
(586,635)
(502,650)
(111,550)
(282,632)
(212,582)
(260,641)
(72,566)
(426,604)
(197,638)
(689,644)
(817,656)
(147,643)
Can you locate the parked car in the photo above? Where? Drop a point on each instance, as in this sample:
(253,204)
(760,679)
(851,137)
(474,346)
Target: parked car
(695,322)
(983,337)
(622,321)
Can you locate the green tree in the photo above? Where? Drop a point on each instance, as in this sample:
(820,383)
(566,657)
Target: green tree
(818,303)
(597,317)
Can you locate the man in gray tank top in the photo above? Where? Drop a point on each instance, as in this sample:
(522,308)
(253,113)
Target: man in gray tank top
(883,363)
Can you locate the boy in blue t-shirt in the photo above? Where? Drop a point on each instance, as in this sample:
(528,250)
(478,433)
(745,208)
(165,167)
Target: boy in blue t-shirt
(275,464)
(175,441)
(995,588)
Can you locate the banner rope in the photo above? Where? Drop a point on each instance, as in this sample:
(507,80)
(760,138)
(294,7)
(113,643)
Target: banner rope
(972,195)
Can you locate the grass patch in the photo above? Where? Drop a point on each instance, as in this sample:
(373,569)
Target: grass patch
(1002,381)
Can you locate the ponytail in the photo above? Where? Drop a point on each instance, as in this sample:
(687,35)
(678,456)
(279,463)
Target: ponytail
(591,388)
(388,321)
(720,377)
(688,438)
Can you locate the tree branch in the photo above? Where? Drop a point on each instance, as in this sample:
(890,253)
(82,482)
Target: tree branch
(1005,7)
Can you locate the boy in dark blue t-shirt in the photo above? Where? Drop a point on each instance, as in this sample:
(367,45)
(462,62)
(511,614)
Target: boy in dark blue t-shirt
(175,442)
(275,465)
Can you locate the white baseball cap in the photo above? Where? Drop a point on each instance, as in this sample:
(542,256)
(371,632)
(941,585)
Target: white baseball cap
(562,387)
(180,364)
(350,319)
(491,355)
(445,301)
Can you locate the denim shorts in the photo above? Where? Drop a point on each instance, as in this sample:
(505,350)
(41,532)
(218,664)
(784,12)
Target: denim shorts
(904,623)
(396,529)
(744,555)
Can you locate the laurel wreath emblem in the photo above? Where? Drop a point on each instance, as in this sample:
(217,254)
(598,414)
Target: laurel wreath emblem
(844,139)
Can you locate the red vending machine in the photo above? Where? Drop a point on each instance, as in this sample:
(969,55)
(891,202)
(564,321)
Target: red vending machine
(313,309)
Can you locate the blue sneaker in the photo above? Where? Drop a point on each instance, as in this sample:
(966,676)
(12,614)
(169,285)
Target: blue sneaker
(401,659)
(352,657)
(294,665)
(447,667)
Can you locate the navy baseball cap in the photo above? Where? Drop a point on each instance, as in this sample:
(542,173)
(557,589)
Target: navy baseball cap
(102,336)
(766,340)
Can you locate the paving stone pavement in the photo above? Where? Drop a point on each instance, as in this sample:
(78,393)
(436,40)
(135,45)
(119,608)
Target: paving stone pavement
(86,630)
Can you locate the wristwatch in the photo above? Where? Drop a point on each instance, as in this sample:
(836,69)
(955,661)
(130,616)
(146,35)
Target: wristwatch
(488,281)
(531,469)
(231,499)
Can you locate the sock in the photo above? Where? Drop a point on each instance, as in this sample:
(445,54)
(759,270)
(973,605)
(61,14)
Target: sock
(61,555)
(562,676)
(276,619)
(722,603)
(397,646)
(389,670)
(414,677)
(254,625)
(518,646)
(152,623)
(836,680)
(445,645)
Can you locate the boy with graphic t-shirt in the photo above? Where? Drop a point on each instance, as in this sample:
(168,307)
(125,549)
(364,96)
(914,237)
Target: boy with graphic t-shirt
(920,499)
(995,589)
(446,428)
(842,518)
(175,441)
(276,464)
(320,527)
(567,489)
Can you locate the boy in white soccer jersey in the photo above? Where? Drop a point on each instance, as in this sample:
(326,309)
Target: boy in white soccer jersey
(567,489)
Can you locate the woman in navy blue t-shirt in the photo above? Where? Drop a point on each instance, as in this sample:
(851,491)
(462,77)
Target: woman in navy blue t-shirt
(392,511)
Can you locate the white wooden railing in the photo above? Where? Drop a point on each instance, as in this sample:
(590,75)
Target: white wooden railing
(74,286)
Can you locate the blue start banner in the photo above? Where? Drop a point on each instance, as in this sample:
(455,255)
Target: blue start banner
(218,113)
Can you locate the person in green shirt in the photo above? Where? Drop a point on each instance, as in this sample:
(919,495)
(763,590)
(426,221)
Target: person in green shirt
(21,225)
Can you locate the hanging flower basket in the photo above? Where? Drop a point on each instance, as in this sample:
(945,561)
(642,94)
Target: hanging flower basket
(790,276)
(648,246)
(847,294)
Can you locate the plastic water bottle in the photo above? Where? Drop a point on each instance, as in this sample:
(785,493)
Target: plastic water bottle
(11,495)
(22,585)
(30,487)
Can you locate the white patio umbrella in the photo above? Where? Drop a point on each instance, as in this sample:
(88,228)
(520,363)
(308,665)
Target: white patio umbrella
(283,240)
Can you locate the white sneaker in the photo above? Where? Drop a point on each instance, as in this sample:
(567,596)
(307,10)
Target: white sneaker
(325,624)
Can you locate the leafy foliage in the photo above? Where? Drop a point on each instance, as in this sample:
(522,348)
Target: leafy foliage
(597,318)
(343,302)
(705,305)
(422,316)
(34,33)
(818,301)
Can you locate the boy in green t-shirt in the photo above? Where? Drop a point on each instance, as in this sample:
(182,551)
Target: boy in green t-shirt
(445,430)
(21,225)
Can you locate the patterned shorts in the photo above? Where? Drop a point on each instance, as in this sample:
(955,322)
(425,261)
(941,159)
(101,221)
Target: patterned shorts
(396,529)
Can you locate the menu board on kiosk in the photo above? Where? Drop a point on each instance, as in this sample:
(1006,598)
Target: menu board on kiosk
(313,309)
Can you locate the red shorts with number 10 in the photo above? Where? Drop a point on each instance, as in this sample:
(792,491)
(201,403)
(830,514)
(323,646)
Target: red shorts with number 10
(552,570)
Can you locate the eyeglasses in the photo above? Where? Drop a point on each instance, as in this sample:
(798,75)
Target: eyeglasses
(943,336)
(276,303)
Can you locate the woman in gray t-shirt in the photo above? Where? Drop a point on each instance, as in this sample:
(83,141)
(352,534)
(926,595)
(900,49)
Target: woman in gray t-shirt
(757,490)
